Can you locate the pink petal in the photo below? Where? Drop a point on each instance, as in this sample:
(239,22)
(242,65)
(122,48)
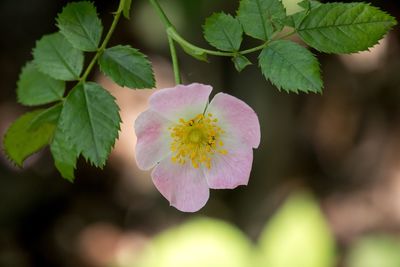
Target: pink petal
(184,186)
(230,170)
(153,139)
(181,101)
(237,118)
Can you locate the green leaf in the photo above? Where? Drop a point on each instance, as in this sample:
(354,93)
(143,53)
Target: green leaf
(21,141)
(36,88)
(79,23)
(297,235)
(127,8)
(258,17)
(309,4)
(90,120)
(223,32)
(49,115)
(64,154)
(291,67)
(127,67)
(296,19)
(240,62)
(55,56)
(344,28)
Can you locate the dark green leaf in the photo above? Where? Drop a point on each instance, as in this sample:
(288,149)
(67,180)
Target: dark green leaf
(257,17)
(344,28)
(21,141)
(90,120)
(126,11)
(55,56)
(79,23)
(309,4)
(295,19)
(291,67)
(64,154)
(240,62)
(36,88)
(127,67)
(223,32)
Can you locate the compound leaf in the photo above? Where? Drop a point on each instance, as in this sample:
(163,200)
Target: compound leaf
(344,27)
(127,67)
(36,88)
(259,17)
(90,120)
(291,67)
(223,32)
(79,23)
(56,57)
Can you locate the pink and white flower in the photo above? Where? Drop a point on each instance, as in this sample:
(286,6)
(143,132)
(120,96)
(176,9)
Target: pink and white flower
(195,144)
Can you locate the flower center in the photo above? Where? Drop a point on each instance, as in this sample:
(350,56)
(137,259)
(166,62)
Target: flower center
(196,140)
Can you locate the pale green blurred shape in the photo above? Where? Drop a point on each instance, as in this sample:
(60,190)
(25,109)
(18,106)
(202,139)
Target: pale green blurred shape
(291,6)
(200,242)
(375,251)
(297,236)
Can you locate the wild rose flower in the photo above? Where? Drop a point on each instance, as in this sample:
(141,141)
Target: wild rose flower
(195,144)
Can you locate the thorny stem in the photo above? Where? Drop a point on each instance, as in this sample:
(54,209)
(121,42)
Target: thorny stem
(103,45)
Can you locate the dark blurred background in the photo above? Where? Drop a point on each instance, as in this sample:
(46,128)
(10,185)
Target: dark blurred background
(342,146)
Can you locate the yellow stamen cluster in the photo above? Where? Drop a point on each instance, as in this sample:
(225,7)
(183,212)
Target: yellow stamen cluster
(196,140)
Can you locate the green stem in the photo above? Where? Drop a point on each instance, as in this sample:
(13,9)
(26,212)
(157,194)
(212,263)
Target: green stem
(175,63)
(103,45)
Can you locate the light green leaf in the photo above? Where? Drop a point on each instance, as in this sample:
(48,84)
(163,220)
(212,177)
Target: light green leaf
(223,32)
(309,4)
(240,62)
(199,243)
(36,88)
(291,67)
(126,11)
(55,56)
(344,27)
(79,23)
(64,154)
(21,141)
(258,17)
(127,67)
(199,55)
(49,116)
(297,235)
(90,120)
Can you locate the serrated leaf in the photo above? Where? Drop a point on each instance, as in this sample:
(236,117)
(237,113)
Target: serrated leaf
(240,62)
(223,32)
(64,154)
(291,67)
(127,67)
(257,17)
(79,23)
(36,88)
(296,19)
(126,11)
(308,4)
(90,120)
(56,57)
(344,28)
(20,141)
(49,115)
